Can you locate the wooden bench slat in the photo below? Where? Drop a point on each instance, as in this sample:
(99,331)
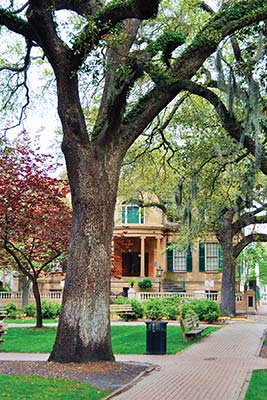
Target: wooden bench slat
(3,313)
(120,308)
(190,327)
(3,329)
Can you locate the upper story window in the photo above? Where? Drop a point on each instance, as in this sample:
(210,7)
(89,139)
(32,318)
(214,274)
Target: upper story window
(132,214)
(210,259)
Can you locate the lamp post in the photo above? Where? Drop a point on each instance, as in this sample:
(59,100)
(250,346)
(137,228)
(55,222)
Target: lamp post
(159,275)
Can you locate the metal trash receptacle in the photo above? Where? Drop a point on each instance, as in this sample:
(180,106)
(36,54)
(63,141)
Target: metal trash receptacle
(156,332)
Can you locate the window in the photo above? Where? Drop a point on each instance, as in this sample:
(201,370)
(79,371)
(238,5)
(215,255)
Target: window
(212,256)
(209,257)
(179,261)
(132,214)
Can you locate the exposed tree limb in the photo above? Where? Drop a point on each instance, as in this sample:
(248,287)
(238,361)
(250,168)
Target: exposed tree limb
(82,7)
(246,240)
(106,19)
(249,218)
(229,122)
(16,24)
(11,249)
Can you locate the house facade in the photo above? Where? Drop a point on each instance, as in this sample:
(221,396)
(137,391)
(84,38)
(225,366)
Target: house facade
(144,244)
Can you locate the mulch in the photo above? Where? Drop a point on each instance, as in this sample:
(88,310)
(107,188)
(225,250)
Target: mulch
(104,375)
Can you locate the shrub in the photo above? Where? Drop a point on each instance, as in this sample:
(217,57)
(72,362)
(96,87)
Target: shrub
(29,310)
(146,283)
(186,309)
(4,288)
(171,307)
(154,309)
(11,310)
(50,309)
(132,282)
(205,307)
(211,316)
(207,310)
(137,308)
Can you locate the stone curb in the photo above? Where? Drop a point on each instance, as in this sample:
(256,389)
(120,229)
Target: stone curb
(128,385)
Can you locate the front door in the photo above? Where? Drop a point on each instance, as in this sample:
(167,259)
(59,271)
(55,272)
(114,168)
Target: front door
(131,264)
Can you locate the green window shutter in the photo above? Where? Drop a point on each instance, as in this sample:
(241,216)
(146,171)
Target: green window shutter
(170,260)
(220,264)
(142,215)
(201,257)
(189,263)
(123,215)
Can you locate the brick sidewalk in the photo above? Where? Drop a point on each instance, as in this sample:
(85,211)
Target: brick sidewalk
(218,367)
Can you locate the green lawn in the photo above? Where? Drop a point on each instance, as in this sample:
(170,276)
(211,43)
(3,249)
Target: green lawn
(257,389)
(126,339)
(16,387)
(28,321)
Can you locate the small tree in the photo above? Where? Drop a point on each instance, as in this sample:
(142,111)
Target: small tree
(34,216)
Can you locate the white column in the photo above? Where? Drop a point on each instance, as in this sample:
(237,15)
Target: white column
(142,261)
(158,251)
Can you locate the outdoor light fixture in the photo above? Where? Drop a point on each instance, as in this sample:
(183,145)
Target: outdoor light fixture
(159,271)
(159,275)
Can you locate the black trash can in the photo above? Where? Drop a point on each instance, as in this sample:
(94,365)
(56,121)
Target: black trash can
(156,337)
(125,292)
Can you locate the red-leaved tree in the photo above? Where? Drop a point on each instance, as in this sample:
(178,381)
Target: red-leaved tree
(35,217)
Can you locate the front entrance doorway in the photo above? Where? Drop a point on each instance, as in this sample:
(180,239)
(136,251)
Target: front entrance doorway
(131,264)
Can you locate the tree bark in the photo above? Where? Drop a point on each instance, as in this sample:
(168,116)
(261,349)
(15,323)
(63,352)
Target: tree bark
(84,327)
(25,291)
(37,297)
(225,234)
(228,301)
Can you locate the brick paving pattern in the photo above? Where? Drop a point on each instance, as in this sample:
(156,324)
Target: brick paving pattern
(217,368)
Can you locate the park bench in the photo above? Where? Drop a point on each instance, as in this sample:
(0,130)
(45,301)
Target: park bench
(3,327)
(3,313)
(120,308)
(190,327)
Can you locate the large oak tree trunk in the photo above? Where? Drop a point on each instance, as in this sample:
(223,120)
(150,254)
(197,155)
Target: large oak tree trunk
(84,325)
(224,233)
(228,301)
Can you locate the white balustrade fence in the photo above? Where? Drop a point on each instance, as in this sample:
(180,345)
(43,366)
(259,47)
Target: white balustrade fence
(16,297)
(193,295)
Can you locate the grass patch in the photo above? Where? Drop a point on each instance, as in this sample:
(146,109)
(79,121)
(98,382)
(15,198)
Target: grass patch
(38,388)
(29,340)
(257,389)
(126,339)
(31,321)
